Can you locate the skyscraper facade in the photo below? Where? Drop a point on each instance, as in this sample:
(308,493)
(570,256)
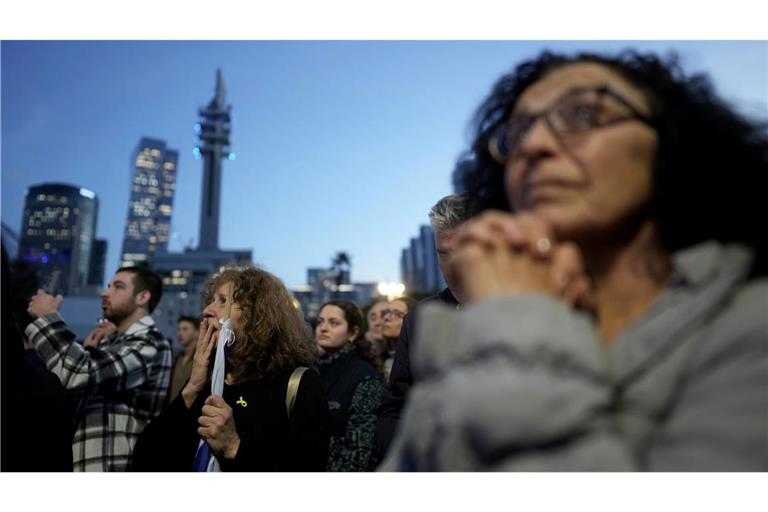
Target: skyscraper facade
(57,234)
(419,269)
(98,263)
(153,187)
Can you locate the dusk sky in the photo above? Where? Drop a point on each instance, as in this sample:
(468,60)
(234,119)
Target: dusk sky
(341,146)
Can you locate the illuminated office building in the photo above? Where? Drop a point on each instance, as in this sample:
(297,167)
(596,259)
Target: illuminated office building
(57,235)
(151,204)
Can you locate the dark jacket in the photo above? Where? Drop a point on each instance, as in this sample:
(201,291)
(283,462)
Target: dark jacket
(269,440)
(354,389)
(38,419)
(401,377)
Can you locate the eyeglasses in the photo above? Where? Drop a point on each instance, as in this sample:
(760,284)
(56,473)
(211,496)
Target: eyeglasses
(572,115)
(395,312)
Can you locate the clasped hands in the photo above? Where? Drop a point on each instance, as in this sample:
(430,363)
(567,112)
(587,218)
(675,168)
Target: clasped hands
(217,423)
(500,253)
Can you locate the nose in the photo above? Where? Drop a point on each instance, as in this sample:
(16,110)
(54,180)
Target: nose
(104,292)
(540,140)
(209,311)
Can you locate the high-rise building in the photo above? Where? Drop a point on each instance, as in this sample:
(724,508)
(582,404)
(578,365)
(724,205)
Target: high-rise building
(419,269)
(150,207)
(58,229)
(98,263)
(185,274)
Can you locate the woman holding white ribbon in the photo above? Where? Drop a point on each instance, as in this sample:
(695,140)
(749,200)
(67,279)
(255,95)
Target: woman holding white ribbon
(249,426)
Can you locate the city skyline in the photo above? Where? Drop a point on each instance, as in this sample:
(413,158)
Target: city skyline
(341,146)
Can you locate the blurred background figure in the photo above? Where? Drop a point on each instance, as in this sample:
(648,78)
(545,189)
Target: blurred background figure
(249,428)
(393,316)
(375,324)
(38,421)
(618,291)
(352,378)
(445,218)
(186,334)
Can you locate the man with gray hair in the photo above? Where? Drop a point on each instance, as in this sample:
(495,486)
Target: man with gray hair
(445,217)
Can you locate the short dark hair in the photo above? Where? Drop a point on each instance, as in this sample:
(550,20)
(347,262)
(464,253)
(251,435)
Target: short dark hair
(146,280)
(195,321)
(711,166)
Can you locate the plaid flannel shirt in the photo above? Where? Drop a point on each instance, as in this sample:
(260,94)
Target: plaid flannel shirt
(121,385)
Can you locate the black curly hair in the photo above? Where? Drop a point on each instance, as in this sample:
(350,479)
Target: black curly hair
(711,166)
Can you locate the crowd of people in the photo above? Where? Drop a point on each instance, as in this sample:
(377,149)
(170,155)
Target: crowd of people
(604,310)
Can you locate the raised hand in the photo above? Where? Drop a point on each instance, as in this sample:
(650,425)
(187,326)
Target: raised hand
(507,254)
(104,329)
(201,362)
(42,304)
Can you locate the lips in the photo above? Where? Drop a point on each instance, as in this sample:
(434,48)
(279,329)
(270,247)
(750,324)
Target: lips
(543,188)
(322,337)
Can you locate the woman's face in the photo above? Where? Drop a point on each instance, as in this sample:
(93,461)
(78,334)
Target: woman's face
(215,309)
(376,319)
(332,331)
(595,182)
(393,318)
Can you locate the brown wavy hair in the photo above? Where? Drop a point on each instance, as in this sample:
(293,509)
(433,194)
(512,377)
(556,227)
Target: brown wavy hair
(354,317)
(272,336)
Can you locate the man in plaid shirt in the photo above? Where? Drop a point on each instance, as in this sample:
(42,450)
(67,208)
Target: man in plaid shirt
(122,382)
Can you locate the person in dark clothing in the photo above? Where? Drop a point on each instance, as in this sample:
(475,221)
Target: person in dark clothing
(38,422)
(352,380)
(250,427)
(445,218)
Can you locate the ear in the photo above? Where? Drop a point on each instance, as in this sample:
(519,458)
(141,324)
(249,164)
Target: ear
(353,335)
(142,298)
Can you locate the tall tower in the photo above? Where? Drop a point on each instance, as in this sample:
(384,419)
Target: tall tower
(213,131)
(149,211)
(185,274)
(57,234)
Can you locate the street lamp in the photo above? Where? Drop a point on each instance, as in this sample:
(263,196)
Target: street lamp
(391,290)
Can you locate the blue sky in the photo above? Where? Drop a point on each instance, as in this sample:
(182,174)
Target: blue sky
(341,145)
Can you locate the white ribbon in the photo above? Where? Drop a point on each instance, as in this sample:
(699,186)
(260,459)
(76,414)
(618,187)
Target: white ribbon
(217,376)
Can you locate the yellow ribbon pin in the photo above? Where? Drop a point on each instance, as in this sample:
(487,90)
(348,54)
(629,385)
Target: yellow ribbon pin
(242,402)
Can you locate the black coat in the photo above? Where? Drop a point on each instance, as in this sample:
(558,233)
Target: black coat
(400,378)
(269,440)
(340,380)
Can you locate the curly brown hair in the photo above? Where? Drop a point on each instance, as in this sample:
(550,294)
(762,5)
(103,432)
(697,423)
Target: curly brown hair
(271,336)
(354,317)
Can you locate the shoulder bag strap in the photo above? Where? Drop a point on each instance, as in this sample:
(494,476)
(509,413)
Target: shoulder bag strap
(293,388)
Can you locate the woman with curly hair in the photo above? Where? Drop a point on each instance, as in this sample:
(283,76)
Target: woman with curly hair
(616,281)
(249,428)
(351,376)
